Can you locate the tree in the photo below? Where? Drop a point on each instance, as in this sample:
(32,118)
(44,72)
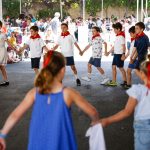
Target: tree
(12,7)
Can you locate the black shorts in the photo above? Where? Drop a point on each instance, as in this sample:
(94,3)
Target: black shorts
(70,61)
(95,62)
(117,61)
(35,62)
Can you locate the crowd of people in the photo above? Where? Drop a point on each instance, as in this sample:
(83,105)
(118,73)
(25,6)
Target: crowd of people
(54,122)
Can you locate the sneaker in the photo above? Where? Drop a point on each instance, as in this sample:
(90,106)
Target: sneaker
(124,84)
(86,79)
(127,86)
(5,83)
(78,82)
(105,81)
(111,83)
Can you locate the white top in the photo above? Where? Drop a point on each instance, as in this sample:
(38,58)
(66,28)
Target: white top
(131,47)
(97,46)
(142,110)
(3,38)
(96,137)
(36,46)
(67,45)
(120,40)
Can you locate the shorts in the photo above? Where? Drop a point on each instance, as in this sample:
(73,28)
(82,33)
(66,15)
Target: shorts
(35,62)
(133,66)
(139,61)
(117,61)
(142,135)
(70,61)
(95,62)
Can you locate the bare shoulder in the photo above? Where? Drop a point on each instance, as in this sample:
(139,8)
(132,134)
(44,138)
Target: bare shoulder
(69,95)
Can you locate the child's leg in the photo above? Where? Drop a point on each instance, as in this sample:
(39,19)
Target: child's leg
(129,76)
(76,75)
(114,73)
(137,72)
(4,73)
(101,70)
(36,70)
(89,70)
(124,78)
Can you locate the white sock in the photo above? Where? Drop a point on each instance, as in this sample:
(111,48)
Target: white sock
(89,75)
(76,76)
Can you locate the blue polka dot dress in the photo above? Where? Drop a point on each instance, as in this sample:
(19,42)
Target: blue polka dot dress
(51,125)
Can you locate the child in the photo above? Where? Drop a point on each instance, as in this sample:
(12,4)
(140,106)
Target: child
(36,45)
(3,56)
(131,66)
(141,46)
(67,42)
(119,50)
(95,60)
(139,100)
(51,125)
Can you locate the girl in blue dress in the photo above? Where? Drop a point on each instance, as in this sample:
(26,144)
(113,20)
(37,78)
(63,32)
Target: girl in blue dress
(51,126)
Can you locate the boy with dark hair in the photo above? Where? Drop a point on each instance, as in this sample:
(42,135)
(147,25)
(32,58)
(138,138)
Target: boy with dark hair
(130,51)
(36,45)
(119,50)
(95,60)
(141,46)
(66,41)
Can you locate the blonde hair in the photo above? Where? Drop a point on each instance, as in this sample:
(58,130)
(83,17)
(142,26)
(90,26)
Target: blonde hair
(144,65)
(47,74)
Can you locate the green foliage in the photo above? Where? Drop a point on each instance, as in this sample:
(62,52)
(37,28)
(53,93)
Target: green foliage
(44,13)
(12,7)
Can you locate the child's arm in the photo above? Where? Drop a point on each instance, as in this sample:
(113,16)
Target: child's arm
(105,44)
(19,112)
(77,46)
(24,47)
(111,50)
(86,48)
(134,55)
(126,112)
(73,96)
(55,47)
(124,52)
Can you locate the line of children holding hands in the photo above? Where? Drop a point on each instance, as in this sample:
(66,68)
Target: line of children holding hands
(51,124)
(54,119)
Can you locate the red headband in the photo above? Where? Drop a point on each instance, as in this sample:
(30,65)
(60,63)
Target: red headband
(48,58)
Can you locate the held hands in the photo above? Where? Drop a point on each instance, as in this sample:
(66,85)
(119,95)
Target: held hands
(123,57)
(104,122)
(131,60)
(2,144)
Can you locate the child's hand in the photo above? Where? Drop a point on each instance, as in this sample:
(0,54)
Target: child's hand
(2,144)
(123,57)
(104,122)
(81,53)
(107,54)
(131,61)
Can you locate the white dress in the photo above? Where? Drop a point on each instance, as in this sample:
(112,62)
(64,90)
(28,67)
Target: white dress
(3,50)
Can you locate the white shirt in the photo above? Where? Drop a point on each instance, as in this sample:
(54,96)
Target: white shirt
(35,46)
(120,40)
(3,38)
(96,44)
(96,138)
(67,45)
(131,47)
(142,110)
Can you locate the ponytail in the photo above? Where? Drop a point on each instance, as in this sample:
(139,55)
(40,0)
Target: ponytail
(44,80)
(53,63)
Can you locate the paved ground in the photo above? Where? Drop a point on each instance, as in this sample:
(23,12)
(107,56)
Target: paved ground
(107,100)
